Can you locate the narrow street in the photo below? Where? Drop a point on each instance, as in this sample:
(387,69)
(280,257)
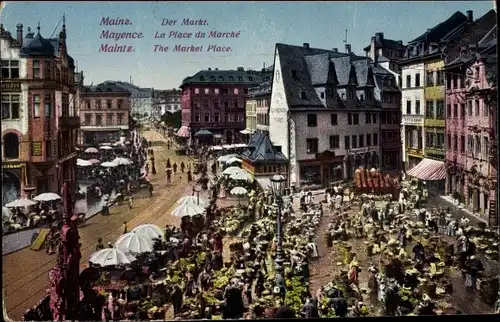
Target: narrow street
(25,272)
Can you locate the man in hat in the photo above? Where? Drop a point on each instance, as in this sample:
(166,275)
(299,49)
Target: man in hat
(309,310)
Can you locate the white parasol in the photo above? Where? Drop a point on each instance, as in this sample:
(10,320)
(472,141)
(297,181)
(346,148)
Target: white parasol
(192,200)
(111,257)
(149,231)
(108,164)
(242,175)
(239,191)
(233,160)
(223,158)
(122,161)
(48,196)
(232,170)
(23,202)
(105,147)
(83,163)
(134,243)
(188,210)
(94,161)
(91,150)
(105,144)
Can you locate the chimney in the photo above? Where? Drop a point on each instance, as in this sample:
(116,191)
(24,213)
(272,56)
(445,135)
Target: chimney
(240,69)
(470,15)
(335,50)
(400,42)
(216,69)
(306,45)
(348,48)
(379,36)
(209,68)
(20,33)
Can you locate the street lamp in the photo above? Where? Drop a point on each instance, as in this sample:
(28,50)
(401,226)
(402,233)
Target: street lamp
(278,187)
(197,189)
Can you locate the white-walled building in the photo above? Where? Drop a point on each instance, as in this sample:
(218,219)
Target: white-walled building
(323,113)
(166,101)
(141,100)
(412,110)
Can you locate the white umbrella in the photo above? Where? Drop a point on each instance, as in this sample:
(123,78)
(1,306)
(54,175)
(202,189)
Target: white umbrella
(91,150)
(192,200)
(239,191)
(94,161)
(122,161)
(108,164)
(134,243)
(228,146)
(223,158)
(233,160)
(48,196)
(83,163)
(242,175)
(232,170)
(149,231)
(106,148)
(6,214)
(188,210)
(23,202)
(111,257)
(105,144)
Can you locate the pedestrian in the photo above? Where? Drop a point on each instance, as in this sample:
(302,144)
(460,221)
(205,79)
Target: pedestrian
(130,202)
(99,245)
(125,229)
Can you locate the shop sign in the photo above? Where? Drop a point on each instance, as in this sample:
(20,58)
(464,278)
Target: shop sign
(36,149)
(11,87)
(13,166)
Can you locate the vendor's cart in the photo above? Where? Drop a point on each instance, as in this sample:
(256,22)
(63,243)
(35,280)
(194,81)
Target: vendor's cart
(375,182)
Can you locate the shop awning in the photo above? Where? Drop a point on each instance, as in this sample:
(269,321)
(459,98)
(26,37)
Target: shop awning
(428,170)
(264,182)
(183,132)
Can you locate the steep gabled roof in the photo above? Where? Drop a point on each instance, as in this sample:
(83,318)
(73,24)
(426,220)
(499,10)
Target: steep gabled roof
(436,33)
(261,150)
(238,76)
(386,43)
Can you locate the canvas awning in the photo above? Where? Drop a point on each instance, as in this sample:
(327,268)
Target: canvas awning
(203,132)
(428,170)
(183,132)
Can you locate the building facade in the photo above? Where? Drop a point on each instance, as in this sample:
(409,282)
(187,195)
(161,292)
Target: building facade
(423,93)
(39,125)
(250,113)
(263,97)
(214,100)
(324,113)
(141,100)
(104,114)
(166,101)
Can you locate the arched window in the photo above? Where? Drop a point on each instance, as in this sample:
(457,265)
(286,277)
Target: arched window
(11,146)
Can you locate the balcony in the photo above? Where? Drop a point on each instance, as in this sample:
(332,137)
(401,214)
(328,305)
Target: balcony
(415,152)
(415,120)
(69,122)
(435,153)
(432,122)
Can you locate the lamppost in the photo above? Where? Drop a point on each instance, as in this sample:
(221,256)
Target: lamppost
(197,189)
(278,187)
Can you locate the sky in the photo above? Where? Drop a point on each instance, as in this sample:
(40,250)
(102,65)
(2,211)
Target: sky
(261,26)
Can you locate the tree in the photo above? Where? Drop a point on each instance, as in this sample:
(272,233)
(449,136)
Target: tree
(172,119)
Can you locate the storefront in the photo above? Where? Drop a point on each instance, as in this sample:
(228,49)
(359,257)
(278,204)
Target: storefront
(13,181)
(360,158)
(322,171)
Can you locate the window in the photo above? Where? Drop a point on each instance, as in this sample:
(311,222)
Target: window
(485,147)
(448,81)
(476,108)
(440,140)
(312,146)
(455,143)
(417,106)
(109,119)
(88,119)
(334,119)
(430,79)
(448,141)
(349,94)
(375,138)
(462,143)
(10,69)
(354,140)
(470,143)
(469,108)
(119,118)
(361,140)
(408,107)
(486,111)
(235,91)
(197,91)
(216,117)
(98,119)
(303,95)
(454,83)
(343,96)
(10,106)
(439,78)
(429,109)
(347,142)
(216,91)
(109,104)
(417,80)
(11,146)
(216,103)
(206,104)
(334,141)
(349,118)
(207,90)
(408,81)
(207,117)
(448,111)
(462,110)
(361,97)
(119,103)
(455,111)
(65,104)
(48,149)
(355,119)
(477,145)
(368,139)
(374,118)
(236,103)
(225,91)
(47,72)
(36,106)
(312,120)
(197,117)
(322,94)
(99,104)
(196,103)
(368,118)
(36,69)
(47,103)
(440,110)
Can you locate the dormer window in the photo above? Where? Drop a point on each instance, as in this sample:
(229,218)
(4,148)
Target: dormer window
(240,79)
(250,79)
(202,78)
(294,73)
(212,78)
(231,78)
(361,97)
(221,79)
(322,94)
(303,95)
(350,94)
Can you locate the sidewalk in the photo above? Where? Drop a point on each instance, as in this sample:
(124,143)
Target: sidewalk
(460,209)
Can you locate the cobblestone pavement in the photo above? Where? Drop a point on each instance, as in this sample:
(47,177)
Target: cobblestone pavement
(25,273)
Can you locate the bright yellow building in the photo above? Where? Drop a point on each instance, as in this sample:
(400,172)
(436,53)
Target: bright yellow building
(434,119)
